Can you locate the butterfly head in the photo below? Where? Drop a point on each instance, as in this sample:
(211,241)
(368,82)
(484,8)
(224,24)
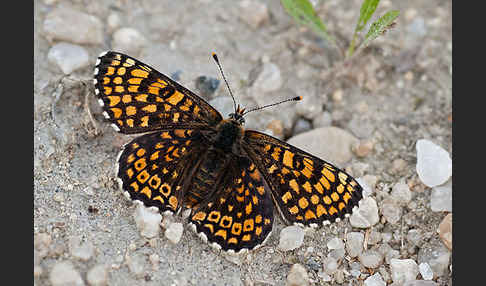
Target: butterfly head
(238,115)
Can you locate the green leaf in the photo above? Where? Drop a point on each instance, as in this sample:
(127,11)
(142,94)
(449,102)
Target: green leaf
(303,12)
(380,26)
(367,9)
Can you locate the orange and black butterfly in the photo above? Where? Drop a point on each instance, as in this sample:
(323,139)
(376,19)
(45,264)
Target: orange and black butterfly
(189,156)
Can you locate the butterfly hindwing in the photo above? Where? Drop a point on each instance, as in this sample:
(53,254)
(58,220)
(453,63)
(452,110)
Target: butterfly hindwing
(137,98)
(240,214)
(152,167)
(306,189)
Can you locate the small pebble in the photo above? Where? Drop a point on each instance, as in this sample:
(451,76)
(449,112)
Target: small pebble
(337,96)
(398,165)
(401,193)
(64,273)
(291,237)
(371,258)
(426,271)
(42,241)
(82,250)
(66,24)
(68,57)
(269,79)
(354,243)
(113,21)
(207,85)
(374,237)
(434,164)
(147,221)
(174,232)
(374,280)
(98,275)
(254,13)
(297,276)
(338,145)
(136,264)
(403,270)
(335,243)
(415,237)
(302,125)
(155,260)
(445,231)
(330,265)
(436,255)
(309,107)
(441,198)
(390,210)
(58,197)
(276,126)
(324,119)
(129,41)
(420,283)
(363,148)
(367,214)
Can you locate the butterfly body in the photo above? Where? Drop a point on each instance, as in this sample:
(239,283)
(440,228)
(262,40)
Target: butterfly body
(190,157)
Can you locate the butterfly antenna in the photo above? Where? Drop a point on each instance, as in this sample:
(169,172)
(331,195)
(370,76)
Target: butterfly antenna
(215,57)
(297,98)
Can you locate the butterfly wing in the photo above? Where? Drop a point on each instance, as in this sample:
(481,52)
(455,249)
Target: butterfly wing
(306,189)
(152,168)
(137,98)
(240,214)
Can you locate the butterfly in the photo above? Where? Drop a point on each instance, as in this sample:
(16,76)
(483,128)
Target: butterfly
(189,157)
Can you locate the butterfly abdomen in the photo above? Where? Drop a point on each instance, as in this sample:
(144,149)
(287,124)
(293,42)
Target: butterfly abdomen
(206,176)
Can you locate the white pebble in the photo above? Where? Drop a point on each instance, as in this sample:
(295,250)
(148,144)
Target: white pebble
(441,198)
(174,232)
(291,237)
(374,280)
(64,273)
(434,164)
(366,215)
(403,270)
(371,258)
(129,41)
(68,57)
(354,243)
(426,271)
(335,243)
(147,221)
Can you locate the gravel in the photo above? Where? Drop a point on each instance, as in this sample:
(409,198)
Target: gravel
(368,118)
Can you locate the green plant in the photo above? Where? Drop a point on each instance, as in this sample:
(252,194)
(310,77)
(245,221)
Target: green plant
(303,12)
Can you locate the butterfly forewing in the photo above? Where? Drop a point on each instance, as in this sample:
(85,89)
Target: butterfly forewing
(137,98)
(306,189)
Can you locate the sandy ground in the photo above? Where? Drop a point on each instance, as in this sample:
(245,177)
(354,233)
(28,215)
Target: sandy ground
(396,92)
